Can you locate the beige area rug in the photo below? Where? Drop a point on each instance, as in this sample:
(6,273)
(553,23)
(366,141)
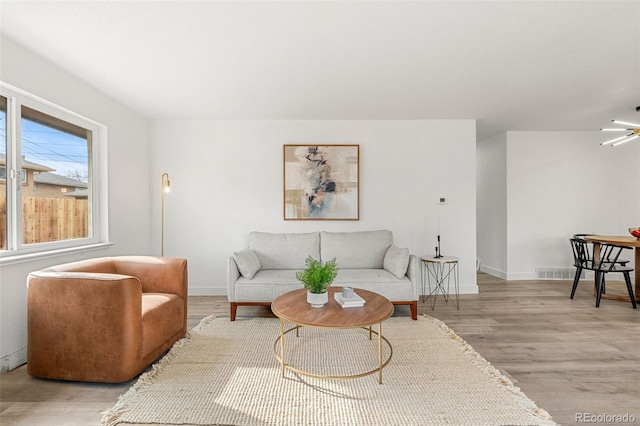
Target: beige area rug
(225,373)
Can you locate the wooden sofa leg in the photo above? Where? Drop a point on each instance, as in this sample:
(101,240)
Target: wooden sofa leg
(233,308)
(414,310)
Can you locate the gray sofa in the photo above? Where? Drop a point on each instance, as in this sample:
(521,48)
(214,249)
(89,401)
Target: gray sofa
(367,259)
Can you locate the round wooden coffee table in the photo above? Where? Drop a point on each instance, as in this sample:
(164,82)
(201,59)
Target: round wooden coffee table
(292,307)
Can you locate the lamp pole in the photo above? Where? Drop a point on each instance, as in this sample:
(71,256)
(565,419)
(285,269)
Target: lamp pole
(166,188)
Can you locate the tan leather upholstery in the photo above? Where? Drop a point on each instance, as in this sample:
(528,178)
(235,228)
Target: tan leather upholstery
(105,319)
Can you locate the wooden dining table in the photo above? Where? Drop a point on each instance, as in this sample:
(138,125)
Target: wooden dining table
(620,241)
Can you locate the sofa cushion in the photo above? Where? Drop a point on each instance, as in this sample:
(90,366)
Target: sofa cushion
(273,276)
(284,251)
(379,281)
(396,260)
(355,277)
(356,250)
(247,261)
(266,285)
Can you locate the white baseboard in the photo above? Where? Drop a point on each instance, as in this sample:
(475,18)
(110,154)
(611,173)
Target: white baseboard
(468,289)
(493,271)
(13,360)
(520,276)
(511,276)
(207,291)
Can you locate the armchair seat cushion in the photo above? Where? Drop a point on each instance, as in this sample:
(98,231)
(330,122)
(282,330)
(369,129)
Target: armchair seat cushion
(162,315)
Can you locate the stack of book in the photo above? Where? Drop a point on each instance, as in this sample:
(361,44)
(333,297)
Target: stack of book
(349,302)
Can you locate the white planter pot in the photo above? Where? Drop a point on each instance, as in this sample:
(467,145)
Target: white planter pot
(317,300)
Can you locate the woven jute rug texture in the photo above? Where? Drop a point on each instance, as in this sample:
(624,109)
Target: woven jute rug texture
(226,373)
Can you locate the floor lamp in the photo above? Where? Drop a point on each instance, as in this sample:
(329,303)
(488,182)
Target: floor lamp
(166,188)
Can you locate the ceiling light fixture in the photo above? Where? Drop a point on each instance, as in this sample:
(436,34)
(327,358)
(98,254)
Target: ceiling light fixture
(632,127)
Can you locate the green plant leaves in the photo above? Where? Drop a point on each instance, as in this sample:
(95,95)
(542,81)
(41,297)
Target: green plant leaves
(317,277)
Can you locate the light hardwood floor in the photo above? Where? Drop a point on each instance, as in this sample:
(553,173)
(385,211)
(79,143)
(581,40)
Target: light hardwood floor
(566,355)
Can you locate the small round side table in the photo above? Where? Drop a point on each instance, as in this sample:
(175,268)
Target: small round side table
(438,273)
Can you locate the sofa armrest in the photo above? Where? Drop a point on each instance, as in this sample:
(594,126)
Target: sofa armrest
(415,276)
(233,273)
(80,324)
(156,274)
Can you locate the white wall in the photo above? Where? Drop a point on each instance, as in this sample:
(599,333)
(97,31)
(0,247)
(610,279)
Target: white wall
(558,184)
(128,182)
(226,180)
(491,160)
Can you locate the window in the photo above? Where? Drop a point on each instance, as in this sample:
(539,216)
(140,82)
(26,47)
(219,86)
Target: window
(3,173)
(49,174)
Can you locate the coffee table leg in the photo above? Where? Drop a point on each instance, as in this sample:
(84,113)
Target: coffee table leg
(380,353)
(282,346)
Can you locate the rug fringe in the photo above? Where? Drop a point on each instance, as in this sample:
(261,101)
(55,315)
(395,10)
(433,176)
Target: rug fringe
(112,416)
(488,368)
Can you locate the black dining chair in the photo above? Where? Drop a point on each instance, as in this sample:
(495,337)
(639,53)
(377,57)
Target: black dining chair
(622,262)
(583,259)
(589,253)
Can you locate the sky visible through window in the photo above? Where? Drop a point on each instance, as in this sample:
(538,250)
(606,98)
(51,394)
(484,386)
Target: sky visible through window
(67,154)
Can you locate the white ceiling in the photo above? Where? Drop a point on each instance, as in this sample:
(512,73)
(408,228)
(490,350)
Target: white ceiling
(513,65)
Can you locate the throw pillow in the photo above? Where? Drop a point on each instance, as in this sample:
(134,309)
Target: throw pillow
(248,263)
(396,261)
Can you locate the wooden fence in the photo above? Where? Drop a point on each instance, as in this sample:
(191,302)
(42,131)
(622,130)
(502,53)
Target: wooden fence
(48,219)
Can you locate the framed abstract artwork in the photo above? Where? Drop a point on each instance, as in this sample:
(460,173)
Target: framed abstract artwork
(321,182)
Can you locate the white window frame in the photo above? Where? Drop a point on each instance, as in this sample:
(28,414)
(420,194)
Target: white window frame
(98,209)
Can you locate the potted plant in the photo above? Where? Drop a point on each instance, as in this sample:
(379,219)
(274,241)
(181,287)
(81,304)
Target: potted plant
(316,278)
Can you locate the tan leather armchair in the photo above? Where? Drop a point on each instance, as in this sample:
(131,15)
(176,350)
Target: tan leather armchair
(104,319)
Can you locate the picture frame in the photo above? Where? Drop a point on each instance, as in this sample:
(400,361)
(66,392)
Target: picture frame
(321,182)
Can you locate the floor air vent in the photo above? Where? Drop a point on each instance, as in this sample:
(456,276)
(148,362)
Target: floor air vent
(555,273)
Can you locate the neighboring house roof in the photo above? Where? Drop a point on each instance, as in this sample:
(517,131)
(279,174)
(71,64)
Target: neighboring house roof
(26,164)
(54,179)
(79,193)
